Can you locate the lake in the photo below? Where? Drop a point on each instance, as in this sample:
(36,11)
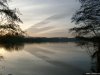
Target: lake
(44,59)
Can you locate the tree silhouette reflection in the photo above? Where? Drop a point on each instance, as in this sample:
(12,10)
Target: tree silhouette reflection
(12,46)
(93,49)
(9,47)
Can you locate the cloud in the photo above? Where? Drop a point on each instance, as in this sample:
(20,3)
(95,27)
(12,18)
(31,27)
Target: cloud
(50,19)
(45,16)
(36,30)
(47,27)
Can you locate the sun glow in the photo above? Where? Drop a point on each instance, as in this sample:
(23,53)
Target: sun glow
(2,51)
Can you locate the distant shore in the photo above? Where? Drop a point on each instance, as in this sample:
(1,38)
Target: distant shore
(35,39)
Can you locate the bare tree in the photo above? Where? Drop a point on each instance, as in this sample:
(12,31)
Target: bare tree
(87,19)
(9,20)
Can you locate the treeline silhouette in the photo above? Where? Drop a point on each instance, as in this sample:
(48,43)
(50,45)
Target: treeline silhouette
(89,39)
(21,39)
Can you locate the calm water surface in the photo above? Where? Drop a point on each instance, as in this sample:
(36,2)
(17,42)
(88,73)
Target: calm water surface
(45,59)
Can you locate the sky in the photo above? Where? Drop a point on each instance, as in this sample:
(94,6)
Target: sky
(46,18)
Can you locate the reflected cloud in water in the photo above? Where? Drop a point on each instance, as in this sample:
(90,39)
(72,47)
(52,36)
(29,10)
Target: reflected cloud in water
(44,58)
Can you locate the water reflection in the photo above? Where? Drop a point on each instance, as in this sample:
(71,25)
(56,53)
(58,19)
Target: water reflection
(93,49)
(12,46)
(43,59)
